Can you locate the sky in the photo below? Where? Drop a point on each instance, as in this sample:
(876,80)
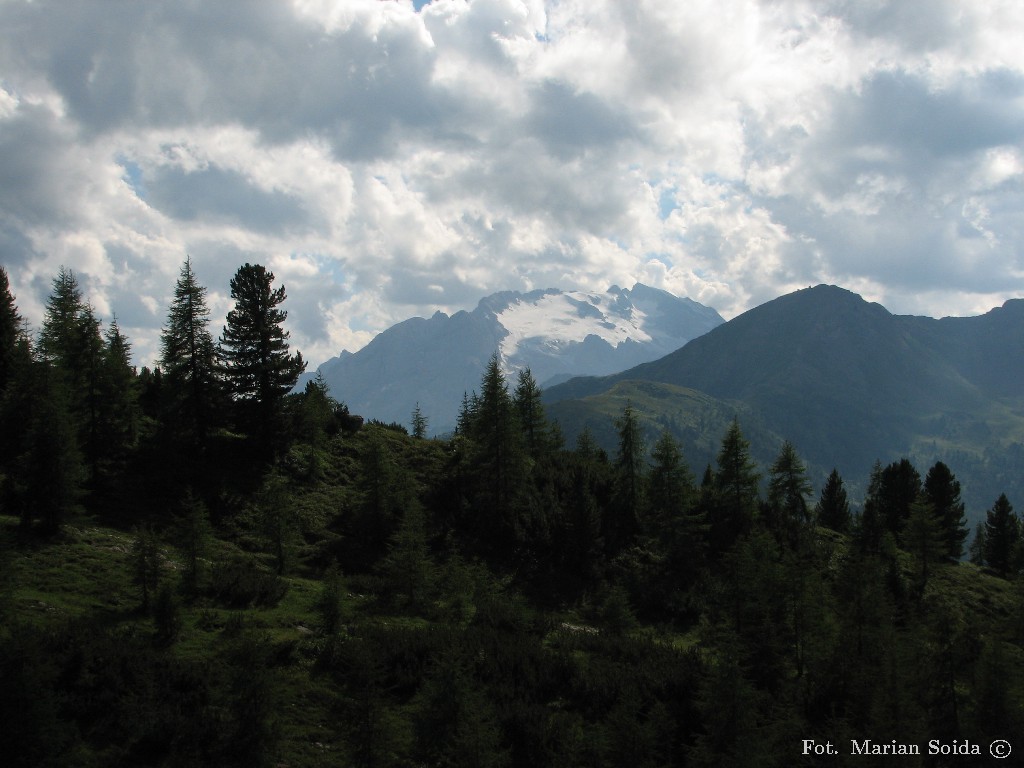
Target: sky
(387,159)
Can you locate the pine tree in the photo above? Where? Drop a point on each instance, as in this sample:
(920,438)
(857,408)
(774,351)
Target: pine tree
(258,366)
(51,465)
(833,508)
(10,325)
(870,525)
(194,533)
(408,571)
(670,486)
(58,340)
(419,423)
(942,491)
(788,490)
(899,488)
(119,397)
(923,537)
(188,359)
(629,468)
(527,402)
(736,484)
(498,460)
(1002,536)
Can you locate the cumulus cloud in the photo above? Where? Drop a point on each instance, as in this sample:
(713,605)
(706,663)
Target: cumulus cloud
(387,158)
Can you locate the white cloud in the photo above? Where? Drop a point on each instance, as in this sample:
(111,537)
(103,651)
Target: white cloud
(385,162)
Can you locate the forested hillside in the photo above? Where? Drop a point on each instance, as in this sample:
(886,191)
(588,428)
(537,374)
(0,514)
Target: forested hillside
(846,381)
(199,568)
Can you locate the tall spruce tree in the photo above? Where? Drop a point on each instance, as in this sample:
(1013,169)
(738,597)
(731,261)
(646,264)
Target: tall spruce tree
(536,430)
(630,466)
(736,483)
(189,359)
(788,490)
(833,508)
(10,325)
(498,458)
(1002,537)
(258,366)
(942,491)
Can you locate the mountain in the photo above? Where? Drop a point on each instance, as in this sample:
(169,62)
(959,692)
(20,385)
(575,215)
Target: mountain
(557,334)
(848,383)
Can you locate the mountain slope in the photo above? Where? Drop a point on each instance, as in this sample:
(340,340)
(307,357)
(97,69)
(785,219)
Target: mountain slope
(556,334)
(848,382)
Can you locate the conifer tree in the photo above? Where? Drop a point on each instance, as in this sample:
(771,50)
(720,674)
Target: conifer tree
(188,359)
(419,423)
(10,324)
(59,337)
(498,458)
(899,487)
(258,366)
(1002,536)
(736,484)
(870,525)
(629,468)
(923,537)
(52,464)
(942,491)
(670,485)
(530,410)
(833,508)
(119,397)
(788,490)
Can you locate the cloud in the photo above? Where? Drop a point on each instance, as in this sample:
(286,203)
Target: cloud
(386,159)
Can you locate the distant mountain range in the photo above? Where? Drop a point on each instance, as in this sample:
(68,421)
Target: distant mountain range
(557,334)
(844,380)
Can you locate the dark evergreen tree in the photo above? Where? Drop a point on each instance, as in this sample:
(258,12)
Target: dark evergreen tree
(833,508)
(408,572)
(62,326)
(194,533)
(630,464)
(736,494)
(51,465)
(942,491)
(924,537)
(498,461)
(316,415)
(670,486)
(10,330)
(899,488)
(258,367)
(870,525)
(788,489)
(188,360)
(1002,537)
(419,423)
(536,430)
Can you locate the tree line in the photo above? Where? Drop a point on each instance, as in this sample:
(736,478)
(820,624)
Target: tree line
(492,597)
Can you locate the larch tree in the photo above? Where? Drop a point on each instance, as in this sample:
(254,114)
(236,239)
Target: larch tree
(188,358)
(258,366)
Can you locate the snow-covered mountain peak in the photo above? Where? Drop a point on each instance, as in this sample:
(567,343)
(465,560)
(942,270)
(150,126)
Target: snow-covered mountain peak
(556,319)
(556,334)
